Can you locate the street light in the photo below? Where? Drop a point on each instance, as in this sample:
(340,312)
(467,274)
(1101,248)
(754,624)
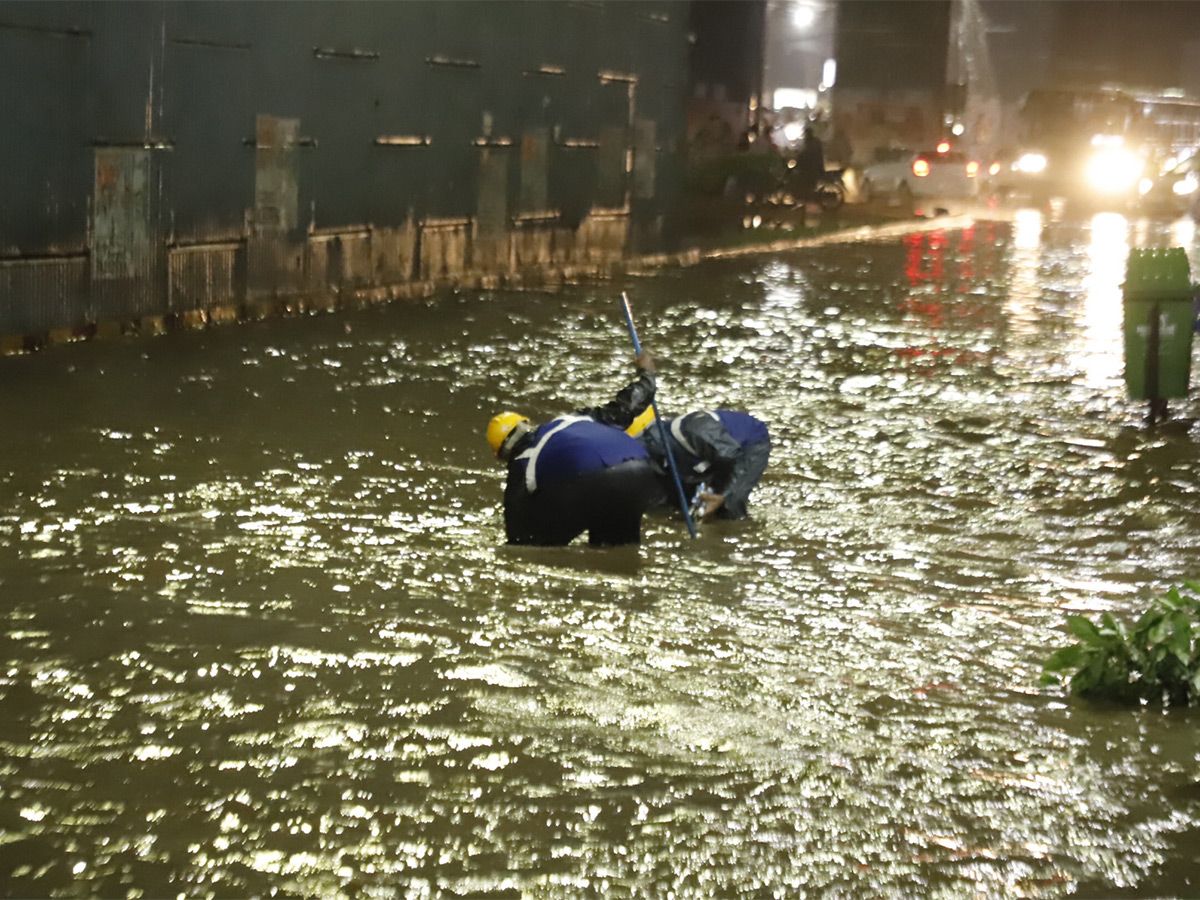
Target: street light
(829,72)
(803,16)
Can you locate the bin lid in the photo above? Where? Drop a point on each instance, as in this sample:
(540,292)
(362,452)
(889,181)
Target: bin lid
(1158,271)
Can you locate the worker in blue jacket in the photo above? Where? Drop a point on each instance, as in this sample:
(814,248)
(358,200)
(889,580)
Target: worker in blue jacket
(579,471)
(724,451)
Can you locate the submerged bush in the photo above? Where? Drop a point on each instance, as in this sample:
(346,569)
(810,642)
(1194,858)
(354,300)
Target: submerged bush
(1157,661)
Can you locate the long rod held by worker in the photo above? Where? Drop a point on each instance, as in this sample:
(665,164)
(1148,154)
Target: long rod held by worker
(662,432)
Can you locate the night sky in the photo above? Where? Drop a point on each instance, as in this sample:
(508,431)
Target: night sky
(1137,43)
(1032,43)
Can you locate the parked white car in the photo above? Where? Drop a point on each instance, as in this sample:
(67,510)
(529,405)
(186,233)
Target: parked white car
(927,173)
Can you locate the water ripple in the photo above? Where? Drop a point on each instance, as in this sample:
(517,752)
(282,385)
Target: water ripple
(262,635)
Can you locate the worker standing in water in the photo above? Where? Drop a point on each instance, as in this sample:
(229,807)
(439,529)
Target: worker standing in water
(723,450)
(579,471)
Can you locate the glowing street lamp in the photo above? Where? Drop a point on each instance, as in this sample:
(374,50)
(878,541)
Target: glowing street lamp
(803,16)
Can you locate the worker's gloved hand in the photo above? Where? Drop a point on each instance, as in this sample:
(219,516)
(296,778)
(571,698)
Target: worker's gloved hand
(645,361)
(712,502)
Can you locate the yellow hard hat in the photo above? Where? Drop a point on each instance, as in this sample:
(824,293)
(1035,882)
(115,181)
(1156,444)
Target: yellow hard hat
(639,424)
(499,428)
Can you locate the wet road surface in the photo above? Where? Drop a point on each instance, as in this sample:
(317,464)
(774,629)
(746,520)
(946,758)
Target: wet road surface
(261,635)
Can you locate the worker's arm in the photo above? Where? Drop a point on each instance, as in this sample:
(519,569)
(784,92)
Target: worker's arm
(630,400)
(715,446)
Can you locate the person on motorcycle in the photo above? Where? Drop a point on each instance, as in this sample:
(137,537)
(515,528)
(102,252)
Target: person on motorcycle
(810,164)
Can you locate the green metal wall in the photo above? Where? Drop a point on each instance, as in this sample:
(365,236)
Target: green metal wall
(165,156)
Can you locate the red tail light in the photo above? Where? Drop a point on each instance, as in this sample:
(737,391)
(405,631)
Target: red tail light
(973,168)
(943,147)
(920,167)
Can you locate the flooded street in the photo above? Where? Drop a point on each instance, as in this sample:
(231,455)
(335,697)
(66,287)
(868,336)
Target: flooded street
(262,635)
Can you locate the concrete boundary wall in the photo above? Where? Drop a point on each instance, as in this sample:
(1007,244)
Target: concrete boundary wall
(261,276)
(590,265)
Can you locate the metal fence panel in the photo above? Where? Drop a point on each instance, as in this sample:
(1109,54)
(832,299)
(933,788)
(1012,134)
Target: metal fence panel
(462,122)
(37,295)
(45,161)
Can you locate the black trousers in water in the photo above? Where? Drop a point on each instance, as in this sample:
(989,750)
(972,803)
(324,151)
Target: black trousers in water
(606,503)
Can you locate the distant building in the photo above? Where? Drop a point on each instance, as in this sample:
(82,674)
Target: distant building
(725,70)
(799,51)
(891,87)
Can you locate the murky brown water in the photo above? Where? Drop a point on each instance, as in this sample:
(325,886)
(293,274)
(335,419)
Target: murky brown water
(261,635)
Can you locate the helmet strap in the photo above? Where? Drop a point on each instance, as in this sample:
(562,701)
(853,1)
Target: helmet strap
(511,440)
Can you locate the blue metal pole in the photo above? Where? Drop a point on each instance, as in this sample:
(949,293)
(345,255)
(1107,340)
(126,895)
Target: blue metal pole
(662,431)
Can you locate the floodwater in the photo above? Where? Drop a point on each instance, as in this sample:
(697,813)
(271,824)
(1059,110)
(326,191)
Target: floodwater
(261,635)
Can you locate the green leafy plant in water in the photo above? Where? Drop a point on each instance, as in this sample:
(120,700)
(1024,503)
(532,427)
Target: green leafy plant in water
(1157,661)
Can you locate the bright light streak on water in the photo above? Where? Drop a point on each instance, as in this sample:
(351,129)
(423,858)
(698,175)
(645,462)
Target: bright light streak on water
(1024,265)
(1107,253)
(261,634)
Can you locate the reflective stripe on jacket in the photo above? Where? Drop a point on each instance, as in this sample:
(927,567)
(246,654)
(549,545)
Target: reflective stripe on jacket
(571,445)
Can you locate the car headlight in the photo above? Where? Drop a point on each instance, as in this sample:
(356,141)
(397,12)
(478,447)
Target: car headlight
(1113,170)
(1030,163)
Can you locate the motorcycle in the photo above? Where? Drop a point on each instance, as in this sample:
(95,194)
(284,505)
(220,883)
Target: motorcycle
(830,191)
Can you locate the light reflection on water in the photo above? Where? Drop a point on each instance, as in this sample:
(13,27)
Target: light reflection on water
(261,634)
(1107,253)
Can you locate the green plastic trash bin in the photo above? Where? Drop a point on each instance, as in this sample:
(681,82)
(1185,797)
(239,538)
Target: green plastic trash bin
(1158,295)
